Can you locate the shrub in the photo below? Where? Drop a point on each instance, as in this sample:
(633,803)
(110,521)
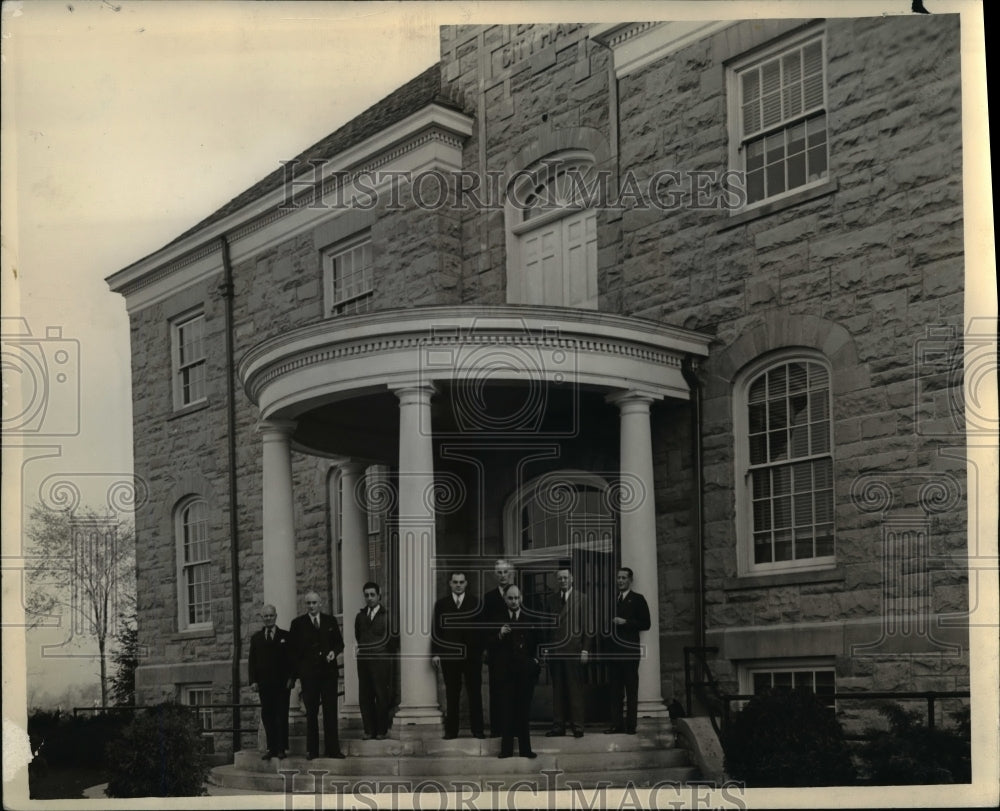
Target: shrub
(787,738)
(911,754)
(159,754)
(64,740)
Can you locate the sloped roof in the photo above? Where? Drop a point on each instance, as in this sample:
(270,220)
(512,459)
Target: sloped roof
(404,101)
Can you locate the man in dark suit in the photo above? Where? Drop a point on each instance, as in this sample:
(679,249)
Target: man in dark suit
(269,671)
(376,649)
(567,654)
(631,615)
(456,650)
(316,643)
(514,655)
(494,609)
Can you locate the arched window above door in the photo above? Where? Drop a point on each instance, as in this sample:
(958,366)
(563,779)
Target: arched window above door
(559,512)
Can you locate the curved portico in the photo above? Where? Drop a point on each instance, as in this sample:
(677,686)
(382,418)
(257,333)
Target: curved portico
(385,386)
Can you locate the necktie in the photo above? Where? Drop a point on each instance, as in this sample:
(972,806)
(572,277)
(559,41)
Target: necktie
(564,593)
(316,621)
(458,602)
(371,614)
(269,634)
(621,598)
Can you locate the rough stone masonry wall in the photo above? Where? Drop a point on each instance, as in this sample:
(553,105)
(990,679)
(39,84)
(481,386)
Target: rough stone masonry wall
(861,272)
(867,269)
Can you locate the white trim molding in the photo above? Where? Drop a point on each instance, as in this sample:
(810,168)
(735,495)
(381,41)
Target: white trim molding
(638,44)
(430,138)
(353,356)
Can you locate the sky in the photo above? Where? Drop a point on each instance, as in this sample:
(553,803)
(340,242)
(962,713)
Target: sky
(124,123)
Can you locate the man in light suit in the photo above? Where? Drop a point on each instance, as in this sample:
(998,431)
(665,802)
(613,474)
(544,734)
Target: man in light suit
(567,653)
(269,670)
(376,650)
(494,609)
(631,616)
(456,650)
(316,643)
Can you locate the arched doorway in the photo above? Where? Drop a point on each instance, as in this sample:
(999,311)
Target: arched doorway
(566,518)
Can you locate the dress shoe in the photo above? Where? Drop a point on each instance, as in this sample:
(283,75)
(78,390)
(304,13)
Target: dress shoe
(310,756)
(381,737)
(266,756)
(449,737)
(367,736)
(613,730)
(336,755)
(555,733)
(282,754)
(479,735)
(630,732)
(529,755)
(577,732)
(504,755)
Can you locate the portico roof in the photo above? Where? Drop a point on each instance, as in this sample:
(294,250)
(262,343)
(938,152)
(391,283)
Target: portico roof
(347,357)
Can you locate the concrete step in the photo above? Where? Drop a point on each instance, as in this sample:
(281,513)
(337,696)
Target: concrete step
(594,742)
(519,777)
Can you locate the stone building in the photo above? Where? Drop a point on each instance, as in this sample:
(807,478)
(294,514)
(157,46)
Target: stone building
(684,297)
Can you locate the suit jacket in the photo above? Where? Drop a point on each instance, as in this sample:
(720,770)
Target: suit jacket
(310,646)
(514,655)
(494,606)
(269,662)
(634,610)
(373,636)
(574,625)
(454,634)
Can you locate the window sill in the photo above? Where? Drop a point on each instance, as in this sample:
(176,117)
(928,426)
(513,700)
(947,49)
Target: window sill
(189,409)
(803,578)
(765,209)
(194,633)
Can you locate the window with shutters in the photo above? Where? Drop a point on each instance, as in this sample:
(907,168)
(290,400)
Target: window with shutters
(784,454)
(778,112)
(552,245)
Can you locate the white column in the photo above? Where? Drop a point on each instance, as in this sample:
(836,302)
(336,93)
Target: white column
(354,574)
(638,535)
(279,519)
(418,684)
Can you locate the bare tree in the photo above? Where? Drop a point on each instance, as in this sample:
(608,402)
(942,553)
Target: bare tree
(82,568)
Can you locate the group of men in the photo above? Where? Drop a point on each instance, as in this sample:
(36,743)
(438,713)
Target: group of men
(513,640)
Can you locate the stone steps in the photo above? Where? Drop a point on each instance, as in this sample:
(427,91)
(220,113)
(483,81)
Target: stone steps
(516,776)
(429,763)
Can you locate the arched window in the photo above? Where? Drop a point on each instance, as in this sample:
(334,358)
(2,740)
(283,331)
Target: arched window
(559,512)
(552,233)
(784,454)
(194,564)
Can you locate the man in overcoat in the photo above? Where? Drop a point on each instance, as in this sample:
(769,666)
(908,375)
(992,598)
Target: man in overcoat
(268,665)
(316,644)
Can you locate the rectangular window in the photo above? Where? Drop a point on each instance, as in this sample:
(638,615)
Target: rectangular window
(348,277)
(779,109)
(189,364)
(813,675)
(200,695)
